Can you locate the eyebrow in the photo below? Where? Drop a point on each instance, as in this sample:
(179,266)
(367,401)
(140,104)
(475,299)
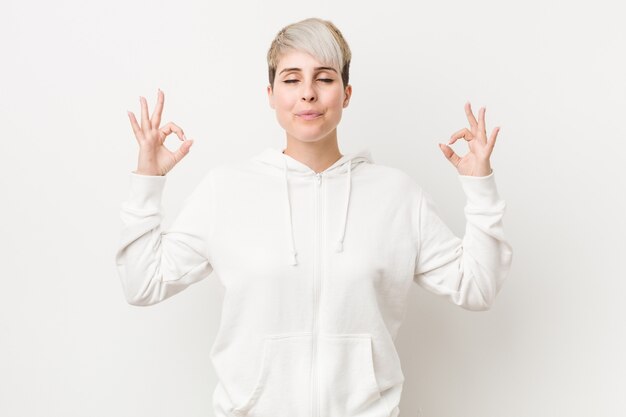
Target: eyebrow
(300,69)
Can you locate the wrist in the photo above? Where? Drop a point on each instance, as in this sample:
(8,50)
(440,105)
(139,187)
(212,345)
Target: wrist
(481,170)
(146,173)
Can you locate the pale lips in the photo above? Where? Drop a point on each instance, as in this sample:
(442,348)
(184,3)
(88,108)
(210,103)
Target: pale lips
(309,116)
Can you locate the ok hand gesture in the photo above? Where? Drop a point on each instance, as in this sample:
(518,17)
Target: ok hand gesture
(476,161)
(154,157)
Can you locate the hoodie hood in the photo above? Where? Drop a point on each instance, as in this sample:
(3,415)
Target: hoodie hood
(290,166)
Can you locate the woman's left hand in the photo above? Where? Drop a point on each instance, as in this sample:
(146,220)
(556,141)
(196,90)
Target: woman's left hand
(476,161)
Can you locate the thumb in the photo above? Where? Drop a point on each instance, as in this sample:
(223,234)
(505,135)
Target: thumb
(449,153)
(183,150)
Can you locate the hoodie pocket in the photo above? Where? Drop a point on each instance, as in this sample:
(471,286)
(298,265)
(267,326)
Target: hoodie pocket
(282,386)
(347,382)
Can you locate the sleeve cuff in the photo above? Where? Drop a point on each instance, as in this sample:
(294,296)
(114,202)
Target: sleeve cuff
(146,191)
(480,191)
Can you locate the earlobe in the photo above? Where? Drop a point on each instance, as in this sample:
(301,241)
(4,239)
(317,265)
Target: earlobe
(348,94)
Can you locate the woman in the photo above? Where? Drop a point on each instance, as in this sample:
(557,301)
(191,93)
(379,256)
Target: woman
(316,249)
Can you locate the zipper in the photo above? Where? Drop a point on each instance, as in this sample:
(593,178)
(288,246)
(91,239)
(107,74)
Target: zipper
(317,279)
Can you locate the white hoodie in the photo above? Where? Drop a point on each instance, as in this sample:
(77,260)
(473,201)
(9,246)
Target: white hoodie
(316,269)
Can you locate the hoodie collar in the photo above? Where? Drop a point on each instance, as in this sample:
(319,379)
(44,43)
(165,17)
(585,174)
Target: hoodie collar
(290,166)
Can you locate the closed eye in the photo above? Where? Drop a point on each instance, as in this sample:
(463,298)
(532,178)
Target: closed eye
(326,80)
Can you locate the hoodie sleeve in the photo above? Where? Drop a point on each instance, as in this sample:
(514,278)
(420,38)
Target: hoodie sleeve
(155,264)
(468,271)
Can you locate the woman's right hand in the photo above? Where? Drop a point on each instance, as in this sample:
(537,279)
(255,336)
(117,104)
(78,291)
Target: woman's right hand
(154,157)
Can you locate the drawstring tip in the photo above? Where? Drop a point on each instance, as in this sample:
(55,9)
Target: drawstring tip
(339,246)
(293,260)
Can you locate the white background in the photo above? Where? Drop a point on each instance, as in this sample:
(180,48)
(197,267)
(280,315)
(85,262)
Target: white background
(552,74)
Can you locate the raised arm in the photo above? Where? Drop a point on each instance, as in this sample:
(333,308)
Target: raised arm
(469,271)
(154,264)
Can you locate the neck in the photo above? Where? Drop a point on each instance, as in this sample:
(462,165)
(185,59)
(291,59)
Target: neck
(317,155)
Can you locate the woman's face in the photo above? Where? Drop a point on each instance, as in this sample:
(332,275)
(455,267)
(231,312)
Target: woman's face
(300,86)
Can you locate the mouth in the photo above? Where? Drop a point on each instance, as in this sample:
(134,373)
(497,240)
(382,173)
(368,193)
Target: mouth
(308,116)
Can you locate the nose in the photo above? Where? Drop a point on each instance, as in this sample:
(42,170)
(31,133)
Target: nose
(308,92)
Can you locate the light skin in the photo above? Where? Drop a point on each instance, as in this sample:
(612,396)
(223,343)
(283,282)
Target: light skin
(476,161)
(304,83)
(300,85)
(154,157)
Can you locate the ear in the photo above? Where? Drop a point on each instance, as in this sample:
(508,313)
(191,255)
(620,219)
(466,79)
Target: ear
(270,96)
(347,95)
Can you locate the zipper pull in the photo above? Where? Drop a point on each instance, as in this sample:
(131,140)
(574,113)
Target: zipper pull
(319,178)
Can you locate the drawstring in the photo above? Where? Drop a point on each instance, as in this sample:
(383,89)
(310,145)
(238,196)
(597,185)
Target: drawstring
(292,260)
(339,242)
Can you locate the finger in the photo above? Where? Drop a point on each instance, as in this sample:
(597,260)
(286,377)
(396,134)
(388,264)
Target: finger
(183,150)
(463,133)
(470,115)
(450,155)
(135,125)
(155,120)
(492,138)
(173,127)
(481,122)
(145,122)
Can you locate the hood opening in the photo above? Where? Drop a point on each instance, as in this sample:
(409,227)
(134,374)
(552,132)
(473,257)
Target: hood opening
(342,167)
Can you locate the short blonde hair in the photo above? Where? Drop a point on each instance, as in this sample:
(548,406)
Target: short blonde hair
(318,37)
